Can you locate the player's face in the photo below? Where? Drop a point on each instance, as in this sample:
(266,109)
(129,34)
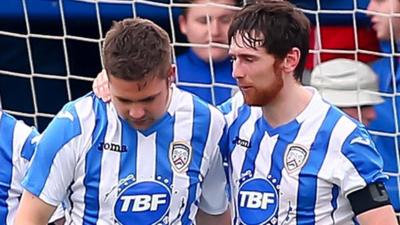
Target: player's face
(381,23)
(141,103)
(367,113)
(257,73)
(194,25)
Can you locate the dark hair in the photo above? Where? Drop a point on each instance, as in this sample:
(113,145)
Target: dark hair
(135,49)
(275,25)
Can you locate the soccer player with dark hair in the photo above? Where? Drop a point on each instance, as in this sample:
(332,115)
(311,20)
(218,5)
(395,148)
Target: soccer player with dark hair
(150,156)
(294,158)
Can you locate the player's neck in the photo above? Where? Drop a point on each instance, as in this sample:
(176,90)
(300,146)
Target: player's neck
(289,103)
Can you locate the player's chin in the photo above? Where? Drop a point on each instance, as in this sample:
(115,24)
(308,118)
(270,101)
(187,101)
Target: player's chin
(248,100)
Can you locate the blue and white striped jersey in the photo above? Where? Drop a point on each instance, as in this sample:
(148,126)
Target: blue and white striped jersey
(300,172)
(17,141)
(111,173)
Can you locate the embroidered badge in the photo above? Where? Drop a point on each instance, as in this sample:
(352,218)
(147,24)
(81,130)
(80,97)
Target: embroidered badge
(180,155)
(295,157)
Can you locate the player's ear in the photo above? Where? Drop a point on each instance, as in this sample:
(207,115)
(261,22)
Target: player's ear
(182,24)
(291,60)
(172,74)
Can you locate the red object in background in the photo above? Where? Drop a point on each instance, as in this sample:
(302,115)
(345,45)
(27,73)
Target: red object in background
(342,38)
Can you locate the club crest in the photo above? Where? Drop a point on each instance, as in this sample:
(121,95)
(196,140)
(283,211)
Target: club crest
(180,155)
(295,157)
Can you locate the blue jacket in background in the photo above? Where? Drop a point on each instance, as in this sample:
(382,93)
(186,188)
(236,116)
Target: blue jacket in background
(334,19)
(194,75)
(385,119)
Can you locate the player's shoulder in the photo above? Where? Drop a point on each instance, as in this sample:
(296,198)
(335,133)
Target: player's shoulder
(82,108)
(22,136)
(235,110)
(19,127)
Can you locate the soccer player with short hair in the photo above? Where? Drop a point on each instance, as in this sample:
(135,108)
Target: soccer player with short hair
(151,156)
(294,158)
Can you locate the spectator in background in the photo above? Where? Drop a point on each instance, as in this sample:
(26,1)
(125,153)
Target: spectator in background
(338,31)
(194,66)
(348,84)
(387,27)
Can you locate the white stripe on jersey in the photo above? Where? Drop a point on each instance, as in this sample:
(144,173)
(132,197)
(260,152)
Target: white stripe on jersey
(234,104)
(146,157)
(182,131)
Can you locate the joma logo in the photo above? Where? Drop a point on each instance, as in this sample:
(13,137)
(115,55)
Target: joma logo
(242,142)
(112,147)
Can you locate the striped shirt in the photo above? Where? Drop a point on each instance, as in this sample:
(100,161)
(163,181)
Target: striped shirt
(16,148)
(109,172)
(299,172)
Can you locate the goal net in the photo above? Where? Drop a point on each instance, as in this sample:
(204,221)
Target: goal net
(51,51)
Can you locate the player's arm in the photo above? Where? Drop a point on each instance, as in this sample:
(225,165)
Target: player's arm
(33,211)
(381,215)
(203,218)
(372,205)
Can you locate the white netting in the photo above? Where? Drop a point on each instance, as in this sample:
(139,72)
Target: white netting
(50,50)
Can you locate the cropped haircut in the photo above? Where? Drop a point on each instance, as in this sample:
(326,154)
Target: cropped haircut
(136,49)
(275,25)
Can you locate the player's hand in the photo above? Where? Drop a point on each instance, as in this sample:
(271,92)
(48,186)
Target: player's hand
(100,86)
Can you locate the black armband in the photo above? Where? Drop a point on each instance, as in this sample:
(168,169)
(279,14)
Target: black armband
(370,197)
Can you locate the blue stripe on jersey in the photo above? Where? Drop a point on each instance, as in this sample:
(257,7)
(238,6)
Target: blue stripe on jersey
(59,132)
(252,152)
(201,123)
(307,190)
(7,127)
(335,194)
(93,164)
(127,164)
(164,138)
(29,148)
(361,151)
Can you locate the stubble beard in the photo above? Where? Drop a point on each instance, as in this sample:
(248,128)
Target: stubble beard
(266,96)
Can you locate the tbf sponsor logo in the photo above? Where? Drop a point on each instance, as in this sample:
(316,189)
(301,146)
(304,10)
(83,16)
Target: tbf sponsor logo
(145,202)
(140,203)
(257,201)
